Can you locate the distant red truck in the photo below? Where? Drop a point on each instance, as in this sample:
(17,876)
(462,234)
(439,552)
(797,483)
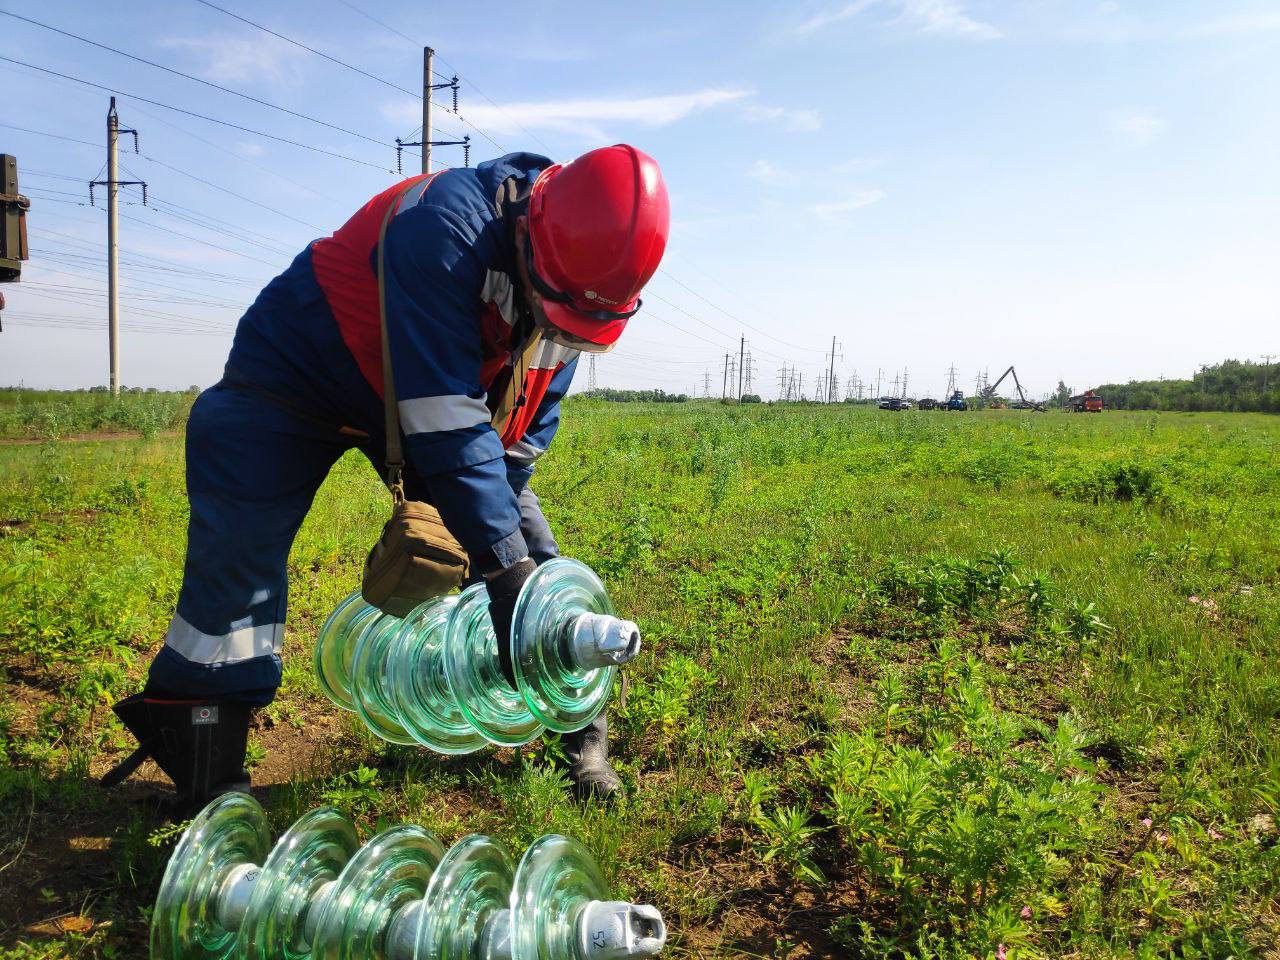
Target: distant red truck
(1087,402)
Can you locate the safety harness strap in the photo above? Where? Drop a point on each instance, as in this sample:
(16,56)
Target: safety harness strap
(395,453)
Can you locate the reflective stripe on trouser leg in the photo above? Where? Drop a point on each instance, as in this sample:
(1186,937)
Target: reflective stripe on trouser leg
(252,471)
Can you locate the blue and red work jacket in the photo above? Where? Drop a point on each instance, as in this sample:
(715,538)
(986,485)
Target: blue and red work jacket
(456,335)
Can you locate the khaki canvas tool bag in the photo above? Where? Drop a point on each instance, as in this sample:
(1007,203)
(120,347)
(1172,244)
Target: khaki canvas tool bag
(416,558)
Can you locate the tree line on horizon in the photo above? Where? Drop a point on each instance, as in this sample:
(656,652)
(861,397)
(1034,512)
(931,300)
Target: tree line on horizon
(1238,386)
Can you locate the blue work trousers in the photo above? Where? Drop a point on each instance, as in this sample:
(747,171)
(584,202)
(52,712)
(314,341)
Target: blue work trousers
(253,468)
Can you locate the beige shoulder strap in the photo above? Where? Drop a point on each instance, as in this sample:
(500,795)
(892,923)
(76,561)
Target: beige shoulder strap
(395,452)
(515,388)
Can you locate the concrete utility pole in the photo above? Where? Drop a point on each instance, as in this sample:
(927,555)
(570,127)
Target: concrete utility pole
(1266,368)
(724,388)
(113,245)
(428,61)
(113,183)
(742,353)
(591,372)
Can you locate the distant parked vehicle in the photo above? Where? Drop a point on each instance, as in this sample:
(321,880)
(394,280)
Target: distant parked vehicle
(1087,402)
(894,403)
(956,402)
(927,403)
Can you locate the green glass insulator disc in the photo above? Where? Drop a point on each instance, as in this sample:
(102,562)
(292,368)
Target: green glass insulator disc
(230,831)
(371,682)
(563,696)
(420,688)
(472,881)
(556,877)
(310,854)
(475,674)
(390,871)
(336,645)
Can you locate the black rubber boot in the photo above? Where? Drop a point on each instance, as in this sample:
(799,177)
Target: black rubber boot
(587,751)
(199,744)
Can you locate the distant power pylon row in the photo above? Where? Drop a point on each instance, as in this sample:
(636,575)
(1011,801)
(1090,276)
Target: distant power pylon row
(739,373)
(790,384)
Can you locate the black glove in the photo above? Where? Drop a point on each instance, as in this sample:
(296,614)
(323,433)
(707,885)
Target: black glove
(504,587)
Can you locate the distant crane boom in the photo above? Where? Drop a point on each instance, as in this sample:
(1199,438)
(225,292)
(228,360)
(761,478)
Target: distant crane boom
(1022,395)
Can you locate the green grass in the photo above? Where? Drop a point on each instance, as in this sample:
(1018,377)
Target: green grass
(51,414)
(917,684)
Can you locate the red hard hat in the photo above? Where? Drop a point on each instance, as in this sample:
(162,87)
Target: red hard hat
(598,227)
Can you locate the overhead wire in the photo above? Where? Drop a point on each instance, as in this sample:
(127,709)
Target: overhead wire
(319,53)
(445,77)
(198,116)
(195,79)
(718,331)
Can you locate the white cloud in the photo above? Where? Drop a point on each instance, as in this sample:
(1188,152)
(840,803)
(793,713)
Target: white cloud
(766,172)
(794,121)
(229,59)
(1239,24)
(856,164)
(1108,7)
(248,148)
(1138,129)
(585,117)
(832,15)
(946,17)
(855,201)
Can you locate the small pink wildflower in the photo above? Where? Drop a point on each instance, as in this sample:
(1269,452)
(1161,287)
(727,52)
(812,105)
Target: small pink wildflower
(1162,837)
(1146,822)
(1001,953)
(1214,834)
(1026,913)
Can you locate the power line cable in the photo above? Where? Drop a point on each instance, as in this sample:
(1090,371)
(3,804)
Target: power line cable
(674,279)
(444,77)
(230,193)
(242,159)
(55,136)
(194,79)
(385,26)
(198,116)
(416,94)
(207,243)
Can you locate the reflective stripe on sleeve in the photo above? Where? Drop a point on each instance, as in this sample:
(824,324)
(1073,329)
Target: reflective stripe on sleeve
(243,641)
(433,414)
(524,452)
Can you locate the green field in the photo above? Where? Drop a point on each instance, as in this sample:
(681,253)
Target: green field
(923,684)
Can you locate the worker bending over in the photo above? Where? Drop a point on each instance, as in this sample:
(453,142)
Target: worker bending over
(494,279)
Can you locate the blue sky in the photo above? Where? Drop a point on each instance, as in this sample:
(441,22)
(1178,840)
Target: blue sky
(1086,189)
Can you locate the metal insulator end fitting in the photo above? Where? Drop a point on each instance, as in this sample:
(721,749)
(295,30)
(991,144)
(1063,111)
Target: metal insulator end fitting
(616,930)
(599,640)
